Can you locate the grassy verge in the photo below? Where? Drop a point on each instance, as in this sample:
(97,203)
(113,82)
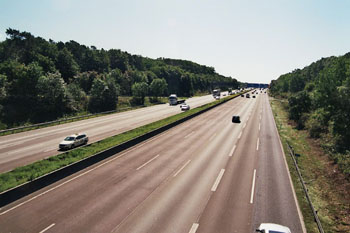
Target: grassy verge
(29,172)
(327,188)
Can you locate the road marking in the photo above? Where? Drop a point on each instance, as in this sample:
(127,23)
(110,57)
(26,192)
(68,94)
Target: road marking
(50,149)
(233,150)
(217,181)
(260,117)
(259,126)
(194,228)
(245,124)
(76,177)
(257,145)
(147,162)
(47,228)
(182,168)
(189,134)
(212,137)
(240,134)
(253,186)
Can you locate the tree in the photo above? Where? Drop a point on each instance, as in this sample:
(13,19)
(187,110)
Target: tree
(341,117)
(85,80)
(299,104)
(158,87)
(139,92)
(66,64)
(77,99)
(51,97)
(104,95)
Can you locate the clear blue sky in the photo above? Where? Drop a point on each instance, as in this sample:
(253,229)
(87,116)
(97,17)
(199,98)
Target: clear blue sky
(252,41)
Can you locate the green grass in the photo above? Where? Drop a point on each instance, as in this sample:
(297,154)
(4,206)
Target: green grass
(314,168)
(29,172)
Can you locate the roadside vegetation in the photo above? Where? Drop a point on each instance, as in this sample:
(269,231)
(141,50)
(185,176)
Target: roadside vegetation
(328,187)
(124,104)
(27,173)
(44,80)
(318,99)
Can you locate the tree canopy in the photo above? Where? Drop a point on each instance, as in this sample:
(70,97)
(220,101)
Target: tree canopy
(319,99)
(41,80)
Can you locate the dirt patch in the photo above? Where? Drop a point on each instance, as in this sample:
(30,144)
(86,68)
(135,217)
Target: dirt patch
(336,189)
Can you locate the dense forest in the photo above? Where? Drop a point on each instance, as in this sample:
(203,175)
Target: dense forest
(319,101)
(43,80)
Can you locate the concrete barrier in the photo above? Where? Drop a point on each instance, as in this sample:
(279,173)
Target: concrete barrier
(25,189)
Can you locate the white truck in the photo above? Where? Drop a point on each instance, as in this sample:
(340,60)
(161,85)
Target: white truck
(173,100)
(216,93)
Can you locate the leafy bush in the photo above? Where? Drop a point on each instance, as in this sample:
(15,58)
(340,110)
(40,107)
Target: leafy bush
(317,123)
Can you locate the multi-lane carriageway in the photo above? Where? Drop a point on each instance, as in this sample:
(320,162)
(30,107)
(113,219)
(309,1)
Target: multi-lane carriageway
(205,175)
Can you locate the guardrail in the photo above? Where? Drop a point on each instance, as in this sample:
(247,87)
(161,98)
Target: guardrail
(25,189)
(317,220)
(4,131)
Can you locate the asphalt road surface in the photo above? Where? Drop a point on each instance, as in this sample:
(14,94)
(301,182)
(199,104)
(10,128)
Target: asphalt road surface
(205,175)
(27,147)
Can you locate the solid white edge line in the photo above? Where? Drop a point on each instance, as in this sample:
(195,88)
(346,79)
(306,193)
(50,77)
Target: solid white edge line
(253,186)
(53,188)
(259,126)
(147,162)
(194,228)
(189,134)
(233,150)
(217,181)
(245,124)
(181,168)
(47,228)
(240,134)
(257,144)
(211,138)
(76,177)
(301,217)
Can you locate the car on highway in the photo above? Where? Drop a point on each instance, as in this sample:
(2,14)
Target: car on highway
(247,96)
(253,96)
(73,141)
(242,95)
(272,228)
(236,119)
(184,107)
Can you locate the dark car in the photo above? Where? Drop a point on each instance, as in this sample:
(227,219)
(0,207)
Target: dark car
(242,95)
(253,96)
(236,119)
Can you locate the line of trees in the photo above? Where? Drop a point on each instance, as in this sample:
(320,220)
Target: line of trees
(319,101)
(42,80)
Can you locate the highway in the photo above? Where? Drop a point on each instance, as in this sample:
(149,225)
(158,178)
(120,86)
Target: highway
(205,175)
(24,148)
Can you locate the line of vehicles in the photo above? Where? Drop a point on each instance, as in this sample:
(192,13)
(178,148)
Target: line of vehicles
(76,140)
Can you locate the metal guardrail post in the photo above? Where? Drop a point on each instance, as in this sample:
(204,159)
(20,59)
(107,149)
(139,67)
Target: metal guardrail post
(317,220)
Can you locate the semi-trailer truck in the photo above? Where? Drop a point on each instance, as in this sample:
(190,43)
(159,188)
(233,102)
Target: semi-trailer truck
(173,100)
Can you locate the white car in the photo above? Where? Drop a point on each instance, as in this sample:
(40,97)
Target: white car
(184,107)
(73,141)
(272,228)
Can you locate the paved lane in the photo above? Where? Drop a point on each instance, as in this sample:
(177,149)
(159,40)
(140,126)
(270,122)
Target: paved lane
(196,177)
(26,147)
(275,200)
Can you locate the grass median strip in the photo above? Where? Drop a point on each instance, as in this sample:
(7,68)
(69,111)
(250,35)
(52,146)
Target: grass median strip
(32,171)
